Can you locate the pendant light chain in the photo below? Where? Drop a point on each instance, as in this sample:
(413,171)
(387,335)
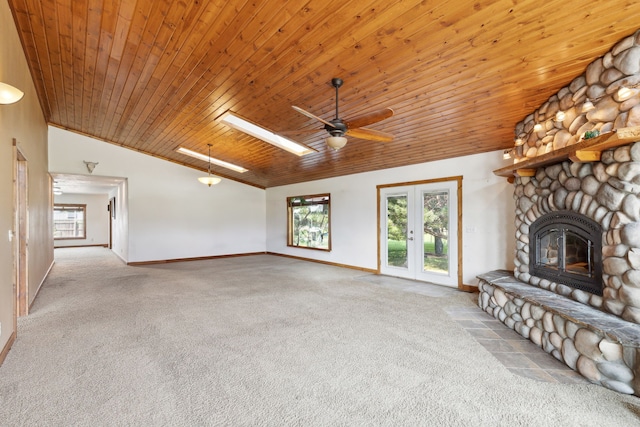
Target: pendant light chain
(209,180)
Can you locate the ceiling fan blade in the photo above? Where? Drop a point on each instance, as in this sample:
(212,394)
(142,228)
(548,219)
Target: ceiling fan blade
(312,116)
(370,134)
(370,118)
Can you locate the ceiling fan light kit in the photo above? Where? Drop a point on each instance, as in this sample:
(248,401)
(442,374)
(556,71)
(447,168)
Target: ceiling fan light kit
(338,128)
(336,142)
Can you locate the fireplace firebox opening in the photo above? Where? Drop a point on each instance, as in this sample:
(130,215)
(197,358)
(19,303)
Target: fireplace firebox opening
(566,248)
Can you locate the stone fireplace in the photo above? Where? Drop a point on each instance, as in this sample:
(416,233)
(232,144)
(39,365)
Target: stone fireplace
(575,288)
(573,205)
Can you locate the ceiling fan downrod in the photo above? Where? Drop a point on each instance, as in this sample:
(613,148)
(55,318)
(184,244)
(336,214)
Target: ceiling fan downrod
(338,127)
(336,82)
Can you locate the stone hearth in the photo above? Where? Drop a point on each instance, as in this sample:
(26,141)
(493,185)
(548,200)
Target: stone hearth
(602,347)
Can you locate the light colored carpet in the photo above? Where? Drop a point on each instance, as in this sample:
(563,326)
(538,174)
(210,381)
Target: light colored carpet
(265,341)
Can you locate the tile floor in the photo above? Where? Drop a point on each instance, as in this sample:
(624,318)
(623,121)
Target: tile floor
(515,352)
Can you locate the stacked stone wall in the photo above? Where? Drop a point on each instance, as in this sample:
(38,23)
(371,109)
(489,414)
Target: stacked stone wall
(600,84)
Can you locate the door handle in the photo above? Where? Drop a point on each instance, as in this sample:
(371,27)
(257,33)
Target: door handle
(410,238)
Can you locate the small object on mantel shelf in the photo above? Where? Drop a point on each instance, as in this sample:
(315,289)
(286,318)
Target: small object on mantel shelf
(591,134)
(587,150)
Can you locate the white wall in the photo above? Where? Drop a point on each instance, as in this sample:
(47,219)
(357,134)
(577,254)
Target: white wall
(25,122)
(170,214)
(97,218)
(488,211)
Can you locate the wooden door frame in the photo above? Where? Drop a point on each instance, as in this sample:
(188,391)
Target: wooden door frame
(457,178)
(21,233)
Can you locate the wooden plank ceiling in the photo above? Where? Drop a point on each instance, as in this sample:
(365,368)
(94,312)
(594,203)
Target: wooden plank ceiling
(154,75)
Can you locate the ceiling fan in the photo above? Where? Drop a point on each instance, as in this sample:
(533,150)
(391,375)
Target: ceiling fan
(338,128)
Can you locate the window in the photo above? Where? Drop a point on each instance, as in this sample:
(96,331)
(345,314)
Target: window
(308,222)
(69,221)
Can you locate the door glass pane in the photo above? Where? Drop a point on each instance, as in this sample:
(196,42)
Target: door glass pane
(397,231)
(435,214)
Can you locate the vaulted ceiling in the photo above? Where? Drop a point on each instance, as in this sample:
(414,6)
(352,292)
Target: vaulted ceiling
(155,75)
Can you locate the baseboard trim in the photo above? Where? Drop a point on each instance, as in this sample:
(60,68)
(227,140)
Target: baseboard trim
(102,245)
(463,288)
(335,264)
(201,258)
(7,347)
(41,283)
(468,288)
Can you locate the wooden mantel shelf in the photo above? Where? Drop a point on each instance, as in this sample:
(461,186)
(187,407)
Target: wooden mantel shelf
(588,150)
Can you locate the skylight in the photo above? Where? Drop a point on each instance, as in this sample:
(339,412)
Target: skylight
(266,135)
(214,161)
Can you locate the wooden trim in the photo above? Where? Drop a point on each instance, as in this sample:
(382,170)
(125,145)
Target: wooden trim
(103,245)
(40,285)
(379,227)
(425,181)
(468,288)
(70,238)
(7,347)
(290,220)
(335,264)
(457,178)
(21,232)
(14,245)
(585,156)
(78,206)
(166,261)
(460,260)
(526,172)
(584,151)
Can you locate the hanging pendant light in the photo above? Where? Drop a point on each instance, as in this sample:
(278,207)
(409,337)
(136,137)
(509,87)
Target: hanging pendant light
(209,180)
(9,94)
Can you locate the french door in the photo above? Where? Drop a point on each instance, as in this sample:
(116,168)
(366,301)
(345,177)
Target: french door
(419,231)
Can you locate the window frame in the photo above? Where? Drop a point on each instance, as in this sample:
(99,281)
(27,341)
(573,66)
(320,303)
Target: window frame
(68,206)
(291,204)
